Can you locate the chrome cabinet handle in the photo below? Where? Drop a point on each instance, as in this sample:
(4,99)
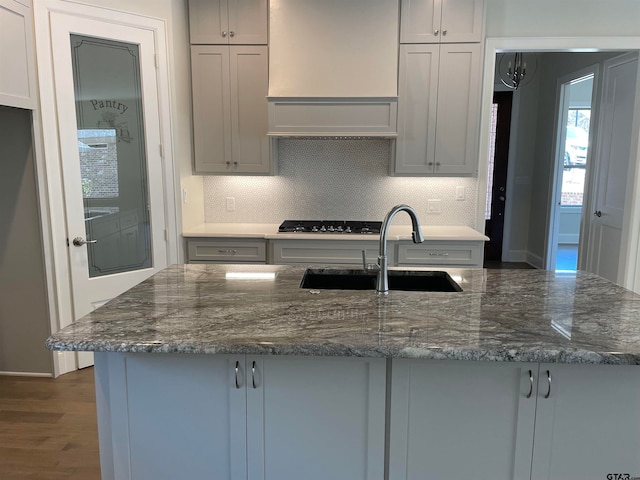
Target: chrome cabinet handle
(232,33)
(79,241)
(237,367)
(549,382)
(230,252)
(530,384)
(444,32)
(436,32)
(434,254)
(224,33)
(253,374)
(598,213)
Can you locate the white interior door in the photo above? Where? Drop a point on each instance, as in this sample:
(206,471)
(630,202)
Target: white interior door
(109,128)
(612,165)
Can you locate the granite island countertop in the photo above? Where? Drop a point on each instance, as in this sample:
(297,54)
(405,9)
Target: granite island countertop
(501,315)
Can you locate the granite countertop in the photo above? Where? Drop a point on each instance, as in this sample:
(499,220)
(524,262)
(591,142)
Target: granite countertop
(270,232)
(501,315)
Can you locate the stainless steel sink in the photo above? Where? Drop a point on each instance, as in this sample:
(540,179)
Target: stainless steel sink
(408,280)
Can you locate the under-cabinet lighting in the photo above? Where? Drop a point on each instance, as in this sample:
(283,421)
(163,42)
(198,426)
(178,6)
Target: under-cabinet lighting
(250,275)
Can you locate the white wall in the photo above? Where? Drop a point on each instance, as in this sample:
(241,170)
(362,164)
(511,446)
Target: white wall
(24,316)
(565,18)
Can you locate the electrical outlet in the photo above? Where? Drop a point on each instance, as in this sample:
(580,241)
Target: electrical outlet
(460,193)
(231,204)
(433,206)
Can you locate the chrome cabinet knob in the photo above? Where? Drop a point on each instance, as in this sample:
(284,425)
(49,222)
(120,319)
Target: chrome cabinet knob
(79,241)
(598,213)
(444,32)
(224,33)
(436,33)
(232,33)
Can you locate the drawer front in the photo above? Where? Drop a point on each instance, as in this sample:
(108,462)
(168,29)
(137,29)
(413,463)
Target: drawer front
(203,251)
(468,254)
(332,252)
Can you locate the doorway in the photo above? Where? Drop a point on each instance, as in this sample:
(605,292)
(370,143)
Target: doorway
(573,130)
(497,175)
(107,138)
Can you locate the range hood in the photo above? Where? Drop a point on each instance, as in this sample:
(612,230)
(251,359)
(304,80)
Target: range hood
(333,68)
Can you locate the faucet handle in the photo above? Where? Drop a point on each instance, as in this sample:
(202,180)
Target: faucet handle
(369,267)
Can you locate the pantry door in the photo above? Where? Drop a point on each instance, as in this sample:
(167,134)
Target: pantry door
(110,138)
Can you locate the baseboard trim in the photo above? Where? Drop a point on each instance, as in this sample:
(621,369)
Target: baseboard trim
(25,374)
(534,260)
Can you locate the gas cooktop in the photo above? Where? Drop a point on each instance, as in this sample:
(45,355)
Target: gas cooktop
(329,226)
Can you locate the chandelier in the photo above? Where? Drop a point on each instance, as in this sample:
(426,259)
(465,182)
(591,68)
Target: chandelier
(516,70)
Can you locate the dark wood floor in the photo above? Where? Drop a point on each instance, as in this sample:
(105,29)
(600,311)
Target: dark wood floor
(507,265)
(48,428)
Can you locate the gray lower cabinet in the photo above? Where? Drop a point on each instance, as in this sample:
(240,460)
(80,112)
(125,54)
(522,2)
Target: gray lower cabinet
(588,426)
(338,252)
(445,254)
(228,417)
(224,250)
(452,420)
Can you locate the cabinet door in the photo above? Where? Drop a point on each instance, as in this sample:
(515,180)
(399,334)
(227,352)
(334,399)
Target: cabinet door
(420,21)
(331,252)
(462,21)
(211,109)
(316,418)
(589,426)
(226,250)
(186,418)
(208,21)
(417,105)
(248,22)
(452,419)
(460,253)
(249,67)
(458,114)
(17,87)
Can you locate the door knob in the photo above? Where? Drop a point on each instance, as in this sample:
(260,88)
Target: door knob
(79,241)
(598,213)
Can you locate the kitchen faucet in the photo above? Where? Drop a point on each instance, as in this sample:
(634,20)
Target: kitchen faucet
(382,268)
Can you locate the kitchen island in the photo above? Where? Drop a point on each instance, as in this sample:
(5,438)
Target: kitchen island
(523,374)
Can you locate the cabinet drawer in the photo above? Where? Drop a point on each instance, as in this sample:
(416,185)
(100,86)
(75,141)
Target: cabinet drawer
(441,253)
(226,251)
(337,252)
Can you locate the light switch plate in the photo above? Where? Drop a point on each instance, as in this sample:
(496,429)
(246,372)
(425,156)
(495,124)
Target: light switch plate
(433,206)
(460,193)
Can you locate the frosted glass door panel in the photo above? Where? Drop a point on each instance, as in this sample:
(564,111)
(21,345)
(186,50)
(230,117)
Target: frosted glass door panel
(113,160)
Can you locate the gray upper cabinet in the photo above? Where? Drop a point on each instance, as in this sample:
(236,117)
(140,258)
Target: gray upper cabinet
(17,56)
(228,22)
(441,21)
(230,109)
(438,109)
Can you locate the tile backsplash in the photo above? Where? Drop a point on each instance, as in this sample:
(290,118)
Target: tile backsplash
(335,180)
